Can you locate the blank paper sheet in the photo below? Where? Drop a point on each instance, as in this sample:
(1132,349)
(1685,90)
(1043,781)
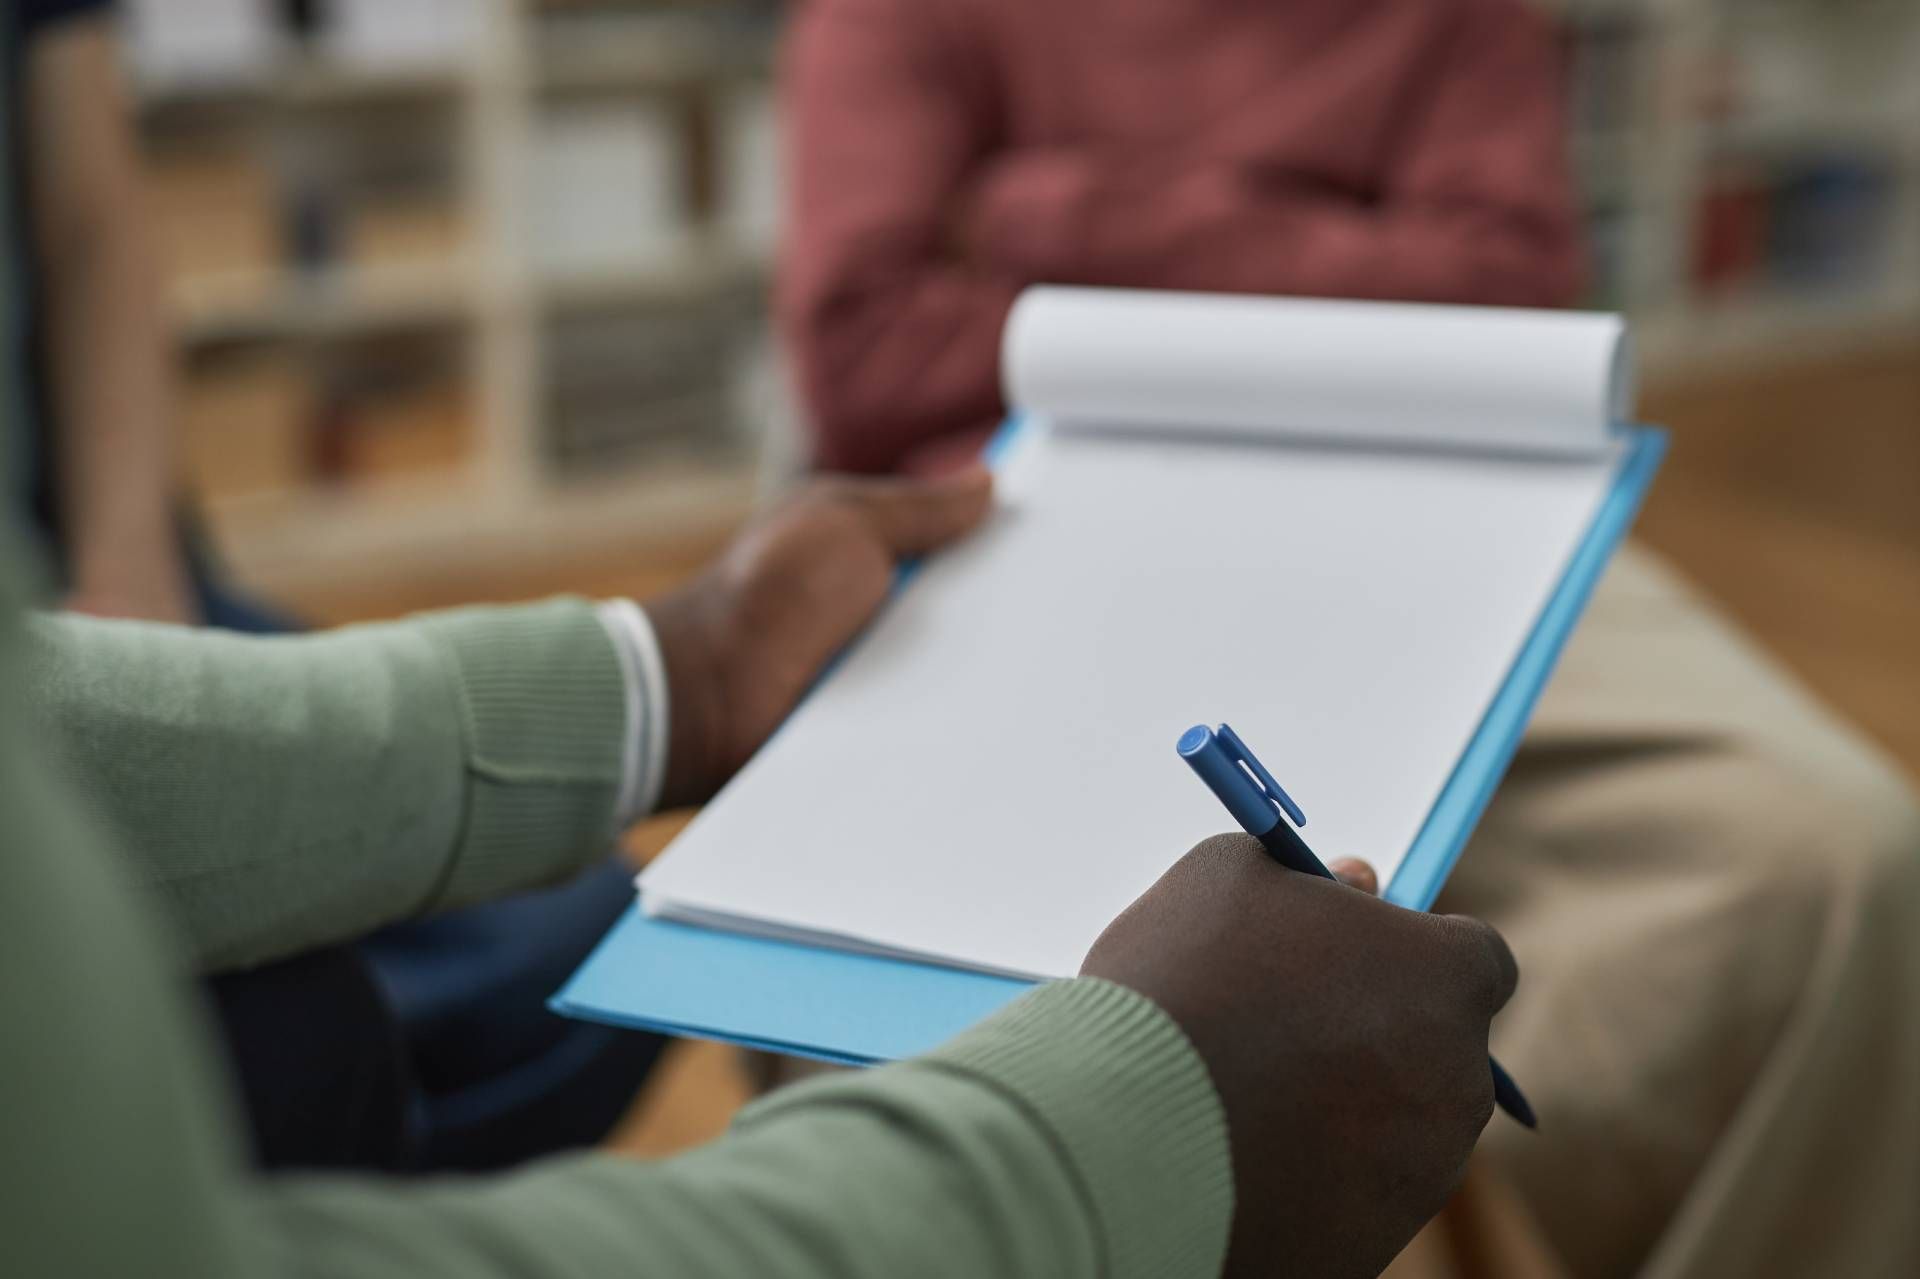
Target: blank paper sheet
(990,776)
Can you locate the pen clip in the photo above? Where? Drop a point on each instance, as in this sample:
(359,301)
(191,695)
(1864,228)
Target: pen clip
(1270,789)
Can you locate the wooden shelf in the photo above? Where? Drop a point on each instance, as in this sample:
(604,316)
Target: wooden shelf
(1884,131)
(1592,10)
(313,538)
(309,81)
(341,302)
(1706,336)
(347,302)
(706,263)
(600,56)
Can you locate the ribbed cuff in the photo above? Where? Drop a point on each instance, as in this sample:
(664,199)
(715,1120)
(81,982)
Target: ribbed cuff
(1130,1104)
(543,718)
(643,669)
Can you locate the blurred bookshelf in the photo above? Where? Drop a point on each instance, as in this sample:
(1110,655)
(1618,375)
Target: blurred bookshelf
(460,278)
(465,277)
(1750,171)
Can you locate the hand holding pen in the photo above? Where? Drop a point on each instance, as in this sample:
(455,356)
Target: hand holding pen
(1346,1040)
(1258,802)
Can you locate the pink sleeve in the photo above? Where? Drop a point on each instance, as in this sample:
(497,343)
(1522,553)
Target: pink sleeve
(894,340)
(1477,207)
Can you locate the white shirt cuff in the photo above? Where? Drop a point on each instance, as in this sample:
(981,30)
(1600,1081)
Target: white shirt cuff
(644,762)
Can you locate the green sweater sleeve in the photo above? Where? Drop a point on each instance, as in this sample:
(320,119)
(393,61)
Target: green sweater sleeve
(281,793)
(1075,1134)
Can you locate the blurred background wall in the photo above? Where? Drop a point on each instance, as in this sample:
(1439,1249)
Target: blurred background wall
(470,297)
(470,293)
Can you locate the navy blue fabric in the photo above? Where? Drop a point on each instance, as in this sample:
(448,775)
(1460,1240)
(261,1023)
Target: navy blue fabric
(34,14)
(429,1047)
(318,1062)
(497,1078)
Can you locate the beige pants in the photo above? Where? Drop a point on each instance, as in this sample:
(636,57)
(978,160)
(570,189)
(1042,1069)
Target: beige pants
(1713,889)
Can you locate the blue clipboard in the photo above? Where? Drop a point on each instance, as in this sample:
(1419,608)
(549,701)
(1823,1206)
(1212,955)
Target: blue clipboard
(651,974)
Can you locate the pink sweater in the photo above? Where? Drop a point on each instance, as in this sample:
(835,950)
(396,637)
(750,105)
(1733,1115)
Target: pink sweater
(943,154)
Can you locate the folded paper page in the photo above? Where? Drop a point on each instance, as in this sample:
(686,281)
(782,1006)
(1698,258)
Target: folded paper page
(1379,373)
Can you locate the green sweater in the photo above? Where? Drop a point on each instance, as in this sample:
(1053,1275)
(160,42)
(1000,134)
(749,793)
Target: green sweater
(174,800)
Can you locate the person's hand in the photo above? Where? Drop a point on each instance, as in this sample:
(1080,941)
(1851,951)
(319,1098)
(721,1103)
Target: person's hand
(1347,1039)
(747,637)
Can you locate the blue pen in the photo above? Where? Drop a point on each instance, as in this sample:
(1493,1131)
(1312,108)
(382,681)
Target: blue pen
(1257,802)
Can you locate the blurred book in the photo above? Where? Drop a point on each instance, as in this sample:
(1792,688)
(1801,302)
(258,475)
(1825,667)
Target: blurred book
(216,213)
(395,406)
(1810,222)
(395,230)
(607,182)
(1830,223)
(243,424)
(422,429)
(374,186)
(195,42)
(749,174)
(633,383)
(1610,231)
(399,34)
(1604,54)
(1730,230)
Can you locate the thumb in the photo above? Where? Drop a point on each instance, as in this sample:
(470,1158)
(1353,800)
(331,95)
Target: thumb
(1355,873)
(914,516)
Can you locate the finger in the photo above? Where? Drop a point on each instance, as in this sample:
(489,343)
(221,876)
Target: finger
(1355,873)
(916,516)
(1493,971)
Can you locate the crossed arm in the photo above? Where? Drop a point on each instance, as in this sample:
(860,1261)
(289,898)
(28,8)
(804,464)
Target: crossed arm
(912,234)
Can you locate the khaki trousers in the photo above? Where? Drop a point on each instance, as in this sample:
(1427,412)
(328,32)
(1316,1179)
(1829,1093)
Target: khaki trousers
(1713,889)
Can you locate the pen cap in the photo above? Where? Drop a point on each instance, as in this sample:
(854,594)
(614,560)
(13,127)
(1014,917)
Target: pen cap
(1219,766)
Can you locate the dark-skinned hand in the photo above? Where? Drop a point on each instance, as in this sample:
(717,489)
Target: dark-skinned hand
(1347,1039)
(746,638)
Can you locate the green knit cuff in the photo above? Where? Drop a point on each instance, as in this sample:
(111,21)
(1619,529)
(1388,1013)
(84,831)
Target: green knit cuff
(1128,1100)
(542,705)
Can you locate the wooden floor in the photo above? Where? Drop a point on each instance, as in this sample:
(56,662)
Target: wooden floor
(1792,495)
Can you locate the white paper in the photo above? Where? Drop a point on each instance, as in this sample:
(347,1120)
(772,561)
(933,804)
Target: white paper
(1381,373)
(990,777)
